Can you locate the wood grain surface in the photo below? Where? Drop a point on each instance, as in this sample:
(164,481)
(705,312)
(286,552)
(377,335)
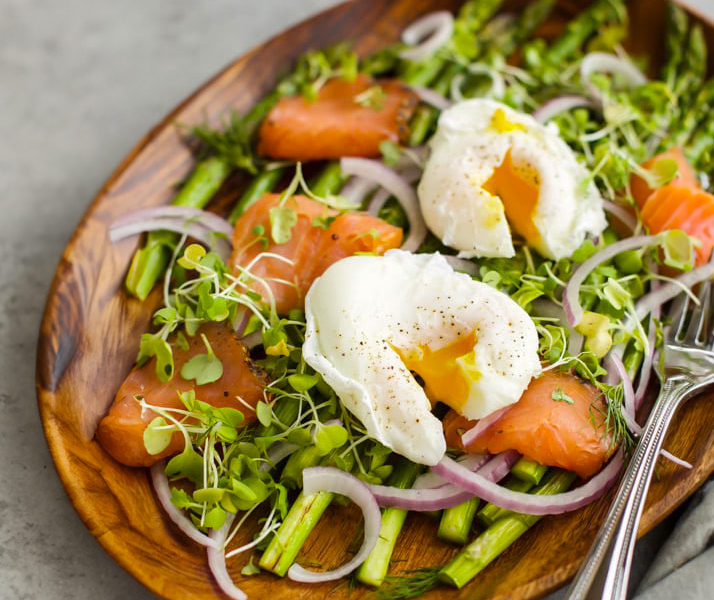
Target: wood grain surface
(91,329)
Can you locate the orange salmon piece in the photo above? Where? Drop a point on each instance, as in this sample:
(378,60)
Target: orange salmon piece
(687,177)
(121,431)
(552,432)
(348,118)
(311,247)
(687,208)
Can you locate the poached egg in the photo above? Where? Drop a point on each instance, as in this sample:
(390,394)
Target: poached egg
(373,321)
(490,167)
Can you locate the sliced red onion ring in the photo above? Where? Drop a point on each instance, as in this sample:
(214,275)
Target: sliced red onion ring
(252,339)
(204,218)
(669,290)
(621,214)
(483,424)
(614,363)
(571,295)
(276,453)
(429,96)
(331,479)
(498,85)
(430,32)
(163,493)
(461,264)
(357,189)
(180,225)
(548,110)
(217,562)
(398,187)
(647,361)
(432,480)
(444,496)
(598,62)
(531,503)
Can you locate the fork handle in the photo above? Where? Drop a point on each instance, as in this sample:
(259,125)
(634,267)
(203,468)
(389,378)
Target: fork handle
(605,571)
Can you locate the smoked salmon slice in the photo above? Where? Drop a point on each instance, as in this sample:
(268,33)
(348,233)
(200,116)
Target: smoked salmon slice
(320,237)
(686,177)
(121,431)
(348,118)
(558,421)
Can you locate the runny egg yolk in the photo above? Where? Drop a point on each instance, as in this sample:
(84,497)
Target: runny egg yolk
(446,371)
(519,191)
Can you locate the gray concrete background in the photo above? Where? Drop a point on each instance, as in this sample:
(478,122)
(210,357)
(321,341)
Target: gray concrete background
(80,82)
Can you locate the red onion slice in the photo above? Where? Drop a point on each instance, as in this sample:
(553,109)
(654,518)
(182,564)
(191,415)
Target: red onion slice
(357,189)
(444,496)
(530,503)
(548,110)
(429,96)
(180,225)
(204,218)
(599,62)
(217,562)
(571,295)
(667,291)
(483,424)
(331,479)
(614,363)
(398,187)
(621,214)
(430,32)
(163,494)
(432,480)
(461,264)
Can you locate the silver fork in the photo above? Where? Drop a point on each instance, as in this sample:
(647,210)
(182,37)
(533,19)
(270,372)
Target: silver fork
(685,369)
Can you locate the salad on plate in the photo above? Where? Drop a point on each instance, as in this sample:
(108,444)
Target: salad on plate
(440,292)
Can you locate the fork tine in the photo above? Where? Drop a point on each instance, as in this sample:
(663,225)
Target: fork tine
(697,332)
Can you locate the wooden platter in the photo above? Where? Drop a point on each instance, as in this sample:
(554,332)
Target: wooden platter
(91,329)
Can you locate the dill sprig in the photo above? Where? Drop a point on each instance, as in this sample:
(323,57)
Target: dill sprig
(410,584)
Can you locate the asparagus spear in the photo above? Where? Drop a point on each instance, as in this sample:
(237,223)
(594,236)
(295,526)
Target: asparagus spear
(677,25)
(582,27)
(264,182)
(455,524)
(528,470)
(499,536)
(490,513)
(290,537)
(373,570)
(329,181)
(149,262)
(529,19)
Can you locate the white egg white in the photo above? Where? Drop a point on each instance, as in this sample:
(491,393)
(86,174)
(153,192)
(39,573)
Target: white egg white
(364,309)
(466,149)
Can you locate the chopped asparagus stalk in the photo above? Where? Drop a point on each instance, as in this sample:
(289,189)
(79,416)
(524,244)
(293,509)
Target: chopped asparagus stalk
(499,536)
(490,513)
(374,568)
(528,470)
(290,537)
(264,182)
(149,262)
(329,181)
(456,522)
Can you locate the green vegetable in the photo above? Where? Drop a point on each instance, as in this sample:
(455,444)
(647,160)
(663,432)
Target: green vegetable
(499,536)
(289,539)
(264,182)
(149,262)
(455,524)
(491,513)
(374,569)
(529,470)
